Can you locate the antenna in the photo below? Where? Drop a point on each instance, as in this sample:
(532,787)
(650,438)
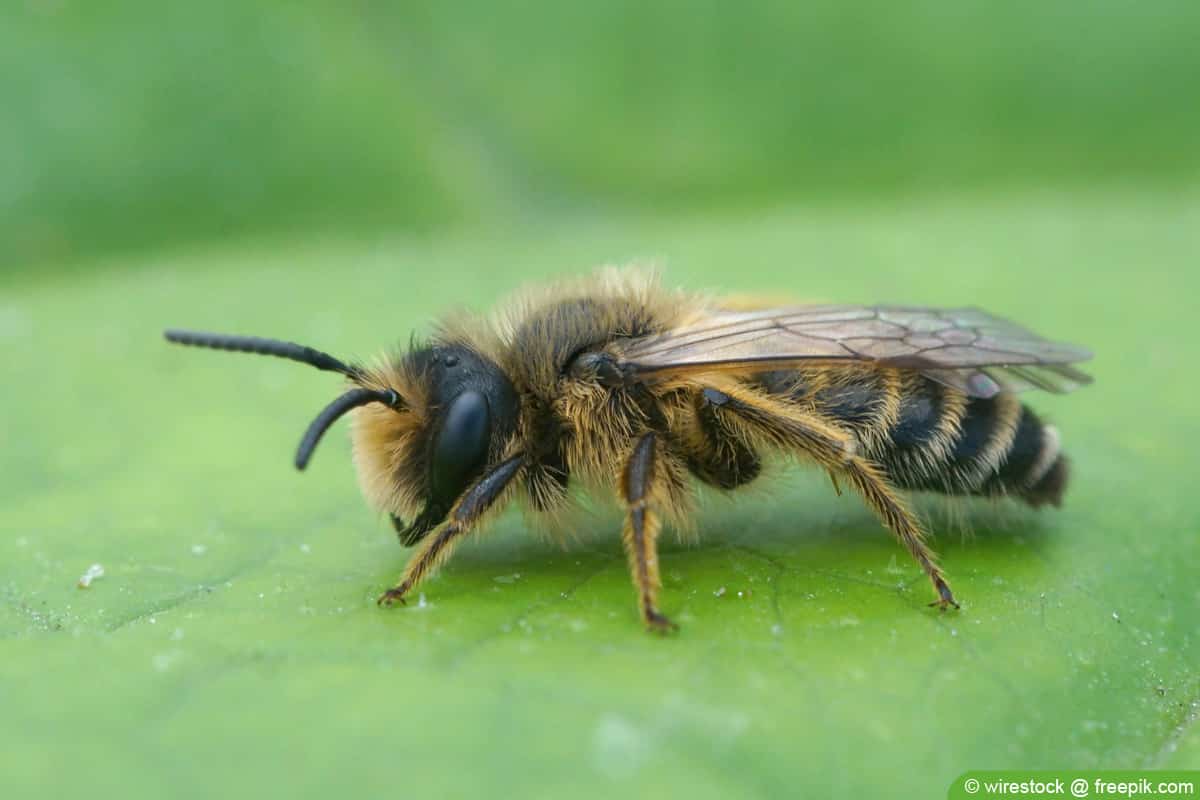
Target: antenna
(330,414)
(305,355)
(266,347)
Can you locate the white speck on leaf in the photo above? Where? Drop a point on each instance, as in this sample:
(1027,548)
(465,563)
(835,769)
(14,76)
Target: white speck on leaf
(507,578)
(304,548)
(199,549)
(90,574)
(162,662)
(619,748)
(720,592)
(15,323)
(1116,617)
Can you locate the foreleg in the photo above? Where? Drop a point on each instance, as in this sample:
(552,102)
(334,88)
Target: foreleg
(437,547)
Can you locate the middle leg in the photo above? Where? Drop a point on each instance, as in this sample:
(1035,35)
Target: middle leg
(641,485)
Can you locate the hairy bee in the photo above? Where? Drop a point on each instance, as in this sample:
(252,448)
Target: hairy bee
(616,382)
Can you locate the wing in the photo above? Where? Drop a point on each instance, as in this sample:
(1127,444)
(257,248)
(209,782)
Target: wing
(966,348)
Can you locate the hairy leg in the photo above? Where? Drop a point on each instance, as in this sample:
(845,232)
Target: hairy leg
(642,477)
(712,454)
(785,426)
(466,512)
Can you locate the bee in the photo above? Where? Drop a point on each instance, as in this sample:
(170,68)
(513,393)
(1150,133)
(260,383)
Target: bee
(618,384)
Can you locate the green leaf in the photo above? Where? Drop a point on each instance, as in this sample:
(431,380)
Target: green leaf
(233,643)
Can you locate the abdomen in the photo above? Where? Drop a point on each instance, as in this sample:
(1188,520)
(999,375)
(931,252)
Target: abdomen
(929,437)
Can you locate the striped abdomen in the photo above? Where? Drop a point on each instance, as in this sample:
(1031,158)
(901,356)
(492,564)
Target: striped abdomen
(933,438)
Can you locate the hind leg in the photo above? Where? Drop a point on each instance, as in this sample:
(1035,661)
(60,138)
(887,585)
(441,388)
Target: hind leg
(713,453)
(754,416)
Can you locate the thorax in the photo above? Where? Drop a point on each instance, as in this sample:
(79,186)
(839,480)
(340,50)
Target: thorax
(572,422)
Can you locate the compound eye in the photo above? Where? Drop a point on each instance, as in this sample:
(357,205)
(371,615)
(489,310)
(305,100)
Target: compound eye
(460,448)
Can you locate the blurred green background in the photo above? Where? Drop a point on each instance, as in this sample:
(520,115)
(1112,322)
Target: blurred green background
(338,174)
(133,124)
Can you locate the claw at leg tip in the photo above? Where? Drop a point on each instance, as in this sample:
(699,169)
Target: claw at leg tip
(945,596)
(391,596)
(657,623)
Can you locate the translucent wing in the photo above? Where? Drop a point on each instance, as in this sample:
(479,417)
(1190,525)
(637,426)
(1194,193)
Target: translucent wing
(965,348)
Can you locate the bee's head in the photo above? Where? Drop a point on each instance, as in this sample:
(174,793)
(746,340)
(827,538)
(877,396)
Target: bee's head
(460,410)
(426,424)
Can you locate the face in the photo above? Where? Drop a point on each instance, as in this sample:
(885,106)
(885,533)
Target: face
(415,462)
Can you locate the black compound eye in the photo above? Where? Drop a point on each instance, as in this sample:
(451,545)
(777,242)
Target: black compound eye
(460,448)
